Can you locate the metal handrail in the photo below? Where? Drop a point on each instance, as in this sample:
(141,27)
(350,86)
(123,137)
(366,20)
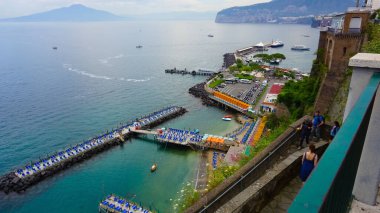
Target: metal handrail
(249,172)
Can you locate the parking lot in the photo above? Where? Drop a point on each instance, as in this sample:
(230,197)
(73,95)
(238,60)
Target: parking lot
(243,91)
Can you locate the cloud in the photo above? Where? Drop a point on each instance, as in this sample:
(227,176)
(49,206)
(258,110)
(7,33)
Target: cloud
(14,8)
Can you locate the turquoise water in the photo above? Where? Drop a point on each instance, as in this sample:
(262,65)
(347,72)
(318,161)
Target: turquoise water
(95,80)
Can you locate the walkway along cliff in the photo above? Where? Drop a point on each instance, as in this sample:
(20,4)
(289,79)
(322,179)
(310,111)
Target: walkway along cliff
(20,180)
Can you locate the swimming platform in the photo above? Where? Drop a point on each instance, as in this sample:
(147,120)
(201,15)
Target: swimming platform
(115,203)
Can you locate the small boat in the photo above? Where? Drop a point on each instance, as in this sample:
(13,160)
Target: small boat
(300,48)
(226,119)
(153,168)
(306,36)
(55,48)
(210,35)
(139,46)
(277,44)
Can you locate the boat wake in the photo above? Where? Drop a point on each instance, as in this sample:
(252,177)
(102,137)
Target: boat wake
(91,75)
(106,60)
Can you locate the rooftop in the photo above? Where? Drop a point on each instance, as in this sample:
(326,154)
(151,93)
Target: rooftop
(276,89)
(365,60)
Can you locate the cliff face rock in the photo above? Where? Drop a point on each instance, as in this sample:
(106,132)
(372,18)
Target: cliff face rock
(279,10)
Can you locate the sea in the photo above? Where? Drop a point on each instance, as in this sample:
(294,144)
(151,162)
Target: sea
(95,80)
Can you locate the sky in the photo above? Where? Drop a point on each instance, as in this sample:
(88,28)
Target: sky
(14,8)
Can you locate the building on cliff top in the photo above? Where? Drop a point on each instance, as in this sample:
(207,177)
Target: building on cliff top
(339,42)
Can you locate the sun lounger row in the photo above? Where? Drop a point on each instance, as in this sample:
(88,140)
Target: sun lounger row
(114,203)
(88,145)
(248,133)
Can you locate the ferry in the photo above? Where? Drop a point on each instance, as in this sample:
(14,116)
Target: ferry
(277,44)
(114,203)
(300,48)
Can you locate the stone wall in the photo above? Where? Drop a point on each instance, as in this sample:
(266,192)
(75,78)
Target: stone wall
(255,197)
(337,51)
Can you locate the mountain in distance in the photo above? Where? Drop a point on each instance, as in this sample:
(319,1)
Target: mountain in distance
(73,13)
(282,10)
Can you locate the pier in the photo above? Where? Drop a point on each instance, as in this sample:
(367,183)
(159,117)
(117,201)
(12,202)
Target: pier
(194,140)
(34,172)
(188,72)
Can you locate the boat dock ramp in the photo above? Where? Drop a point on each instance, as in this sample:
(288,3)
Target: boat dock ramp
(36,171)
(114,203)
(204,72)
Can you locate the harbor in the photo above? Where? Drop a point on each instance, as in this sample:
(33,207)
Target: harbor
(78,106)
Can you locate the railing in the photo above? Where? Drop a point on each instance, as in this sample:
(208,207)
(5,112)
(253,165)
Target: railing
(246,176)
(329,188)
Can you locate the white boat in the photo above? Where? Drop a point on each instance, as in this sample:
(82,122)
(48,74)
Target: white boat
(277,44)
(260,45)
(300,47)
(226,119)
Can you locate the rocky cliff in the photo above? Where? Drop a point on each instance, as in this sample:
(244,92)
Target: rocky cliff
(281,10)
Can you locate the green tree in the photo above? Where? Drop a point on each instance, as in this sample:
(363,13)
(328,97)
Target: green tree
(278,56)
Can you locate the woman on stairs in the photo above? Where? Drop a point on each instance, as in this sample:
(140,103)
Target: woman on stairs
(309,161)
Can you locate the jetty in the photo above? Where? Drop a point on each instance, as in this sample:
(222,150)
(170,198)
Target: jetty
(204,72)
(36,171)
(115,203)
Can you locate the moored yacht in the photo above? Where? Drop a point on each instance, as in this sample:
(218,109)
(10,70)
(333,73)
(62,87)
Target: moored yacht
(277,44)
(300,47)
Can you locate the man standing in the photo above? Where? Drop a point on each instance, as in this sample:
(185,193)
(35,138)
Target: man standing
(318,121)
(305,129)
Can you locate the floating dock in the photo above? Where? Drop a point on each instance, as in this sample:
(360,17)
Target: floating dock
(34,172)
(188,72)
(114,203)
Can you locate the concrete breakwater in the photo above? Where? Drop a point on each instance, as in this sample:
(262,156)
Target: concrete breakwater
(199,91)
(193,72)
(21,179)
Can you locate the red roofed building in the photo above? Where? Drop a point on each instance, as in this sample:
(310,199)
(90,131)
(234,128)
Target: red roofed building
(269,103)
(276,89)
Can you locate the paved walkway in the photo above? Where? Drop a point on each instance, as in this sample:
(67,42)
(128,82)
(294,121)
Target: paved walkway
(282,201)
